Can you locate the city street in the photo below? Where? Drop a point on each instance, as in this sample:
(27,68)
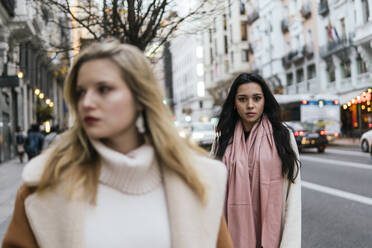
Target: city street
(336,197)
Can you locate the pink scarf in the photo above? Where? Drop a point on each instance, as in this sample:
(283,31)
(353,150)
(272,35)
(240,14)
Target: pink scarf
(253,205)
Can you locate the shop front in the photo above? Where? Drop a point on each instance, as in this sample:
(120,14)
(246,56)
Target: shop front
(356,114)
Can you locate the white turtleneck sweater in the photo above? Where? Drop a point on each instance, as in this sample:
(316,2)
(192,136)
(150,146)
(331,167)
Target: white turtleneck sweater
(131,209)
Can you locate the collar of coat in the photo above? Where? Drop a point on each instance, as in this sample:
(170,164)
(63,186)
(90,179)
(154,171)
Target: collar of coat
(58,222)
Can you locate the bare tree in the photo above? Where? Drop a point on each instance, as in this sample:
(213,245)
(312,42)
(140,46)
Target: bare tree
(137,22)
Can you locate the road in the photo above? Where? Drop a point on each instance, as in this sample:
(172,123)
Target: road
(336,197)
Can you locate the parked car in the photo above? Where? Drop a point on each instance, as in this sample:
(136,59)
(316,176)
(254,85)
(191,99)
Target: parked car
(309,135)
(366,141)
(202,133)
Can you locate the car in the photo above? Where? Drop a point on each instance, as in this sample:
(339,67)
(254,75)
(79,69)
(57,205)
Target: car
(366,141)
(202,133)
(309,135)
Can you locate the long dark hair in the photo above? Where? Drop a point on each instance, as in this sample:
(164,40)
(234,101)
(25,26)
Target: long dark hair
(229,117)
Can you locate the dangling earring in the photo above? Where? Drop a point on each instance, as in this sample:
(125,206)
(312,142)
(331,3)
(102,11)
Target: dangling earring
(140,123)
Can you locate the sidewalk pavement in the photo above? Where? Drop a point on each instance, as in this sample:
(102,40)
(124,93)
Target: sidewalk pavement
(354,142)
(10,178)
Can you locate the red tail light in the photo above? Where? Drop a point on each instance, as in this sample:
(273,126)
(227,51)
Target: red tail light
(323,132)
(299,133)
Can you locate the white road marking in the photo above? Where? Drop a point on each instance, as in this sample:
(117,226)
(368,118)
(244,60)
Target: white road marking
(352,153)
(337,192)
(337,162)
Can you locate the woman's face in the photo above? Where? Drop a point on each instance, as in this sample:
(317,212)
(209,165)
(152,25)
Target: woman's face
(249,103)
(106,106)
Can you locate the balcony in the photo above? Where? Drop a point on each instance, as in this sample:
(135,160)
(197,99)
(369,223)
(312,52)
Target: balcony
(308,50)
(335,47)
(302,87)
(346,84)
(291,89)
(363,33)
(9,6)
(364,80)
(306,10)
(331,86)
(313,85)
(252,17)
(323,8)
(285,25)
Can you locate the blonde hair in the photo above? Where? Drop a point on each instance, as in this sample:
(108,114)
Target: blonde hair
(75,161)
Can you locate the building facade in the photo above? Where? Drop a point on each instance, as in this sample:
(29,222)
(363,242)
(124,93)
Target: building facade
(191,102)
(311,47)
(29,64)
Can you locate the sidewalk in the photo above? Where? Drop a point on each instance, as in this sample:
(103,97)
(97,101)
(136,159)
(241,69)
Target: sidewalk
(354,142)
(10,178)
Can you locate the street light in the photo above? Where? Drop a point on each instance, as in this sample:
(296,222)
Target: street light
(20,75)
(47,101)
(41,95)
(37,92)
(51,104)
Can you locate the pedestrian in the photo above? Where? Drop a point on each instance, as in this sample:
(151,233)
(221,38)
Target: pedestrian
(120,176)
(34,141)
(51,137)
(263,198)
(20,141)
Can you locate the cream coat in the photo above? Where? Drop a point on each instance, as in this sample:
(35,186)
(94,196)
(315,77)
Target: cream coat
(57,222)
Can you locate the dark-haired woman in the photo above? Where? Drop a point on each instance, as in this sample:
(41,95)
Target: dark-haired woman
(263,198)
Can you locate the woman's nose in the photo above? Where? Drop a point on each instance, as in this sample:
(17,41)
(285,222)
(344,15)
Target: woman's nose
(250,104)
(87,100)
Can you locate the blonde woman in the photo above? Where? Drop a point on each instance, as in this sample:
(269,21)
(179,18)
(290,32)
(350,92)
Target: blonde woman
(121,176)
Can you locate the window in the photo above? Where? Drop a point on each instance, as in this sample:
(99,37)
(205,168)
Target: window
(224,22)
(365,9)
(331,71)
(245,55)
(362,67)
(227,66)
(201,104)
(299,75)
(211,55)
(243,30)
(201,89)
(345,66)
(226,45)
(311,71)
(289,79)
(242,8)
(342,21)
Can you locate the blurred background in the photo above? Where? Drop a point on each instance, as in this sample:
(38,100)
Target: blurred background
(316,56)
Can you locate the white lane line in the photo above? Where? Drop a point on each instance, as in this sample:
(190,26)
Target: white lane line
(337,192)
(337,162)
(352,153)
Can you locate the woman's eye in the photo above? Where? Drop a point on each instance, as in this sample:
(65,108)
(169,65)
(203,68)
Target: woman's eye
(257,98)
(243,99)
(103,89)
(79,93)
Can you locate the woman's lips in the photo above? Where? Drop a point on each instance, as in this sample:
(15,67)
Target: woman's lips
(90,120)
(250,114)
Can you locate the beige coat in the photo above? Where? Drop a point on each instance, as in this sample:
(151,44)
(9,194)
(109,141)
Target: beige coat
(49,220)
